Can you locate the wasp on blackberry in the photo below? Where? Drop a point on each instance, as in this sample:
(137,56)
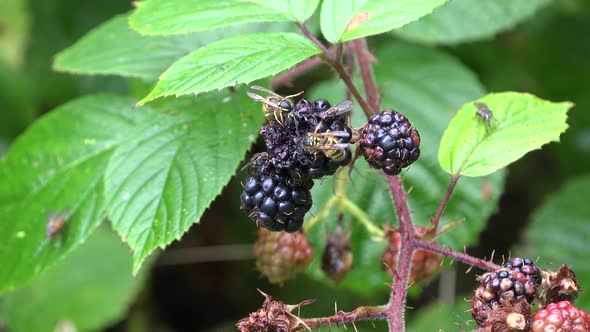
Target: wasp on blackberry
(275,105)
(328,143)
(337,112)
(484,112)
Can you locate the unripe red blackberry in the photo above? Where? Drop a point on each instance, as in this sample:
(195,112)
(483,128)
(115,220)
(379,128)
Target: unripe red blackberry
(390,142)
(425,264)
(337,256)
(280,255)
(276,202)
(561,317)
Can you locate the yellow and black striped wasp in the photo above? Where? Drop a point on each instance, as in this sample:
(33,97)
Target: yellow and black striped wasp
(327,141)
(275,106)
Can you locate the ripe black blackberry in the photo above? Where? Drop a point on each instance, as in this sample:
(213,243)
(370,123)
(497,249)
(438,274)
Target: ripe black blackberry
(277,201)
(390,142)
(517,281)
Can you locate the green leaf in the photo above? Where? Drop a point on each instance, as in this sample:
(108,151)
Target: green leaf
(347,20)
(429,104)
(467,20)
(57,164)
(439,316)
(14,31)
(76,293)
(17,102)
(520,123)
(559,233)
(168,171)
(112,48)
(231,61)
(167,17)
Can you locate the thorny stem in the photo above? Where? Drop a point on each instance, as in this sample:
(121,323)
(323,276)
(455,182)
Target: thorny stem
(359,48)
(394,310)
(360,313)
(443,203)
(335,63)
(406,228)
(463,257)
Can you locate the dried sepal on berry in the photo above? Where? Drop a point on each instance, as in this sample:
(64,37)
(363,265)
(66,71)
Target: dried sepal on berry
(560,286)
(514,316)
(337,256)
(273,316)
(281,255)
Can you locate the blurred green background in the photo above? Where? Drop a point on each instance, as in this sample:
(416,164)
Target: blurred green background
(200,283)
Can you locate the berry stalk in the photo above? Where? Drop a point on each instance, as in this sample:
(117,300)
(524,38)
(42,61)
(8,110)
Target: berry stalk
(359,48)
(462,257)
(444,202)
(360,313)
(335,63)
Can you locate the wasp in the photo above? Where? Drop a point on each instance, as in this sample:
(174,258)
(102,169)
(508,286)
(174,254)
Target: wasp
(275,106)
(338,111)
(327,143)
(55,223)
(484,112)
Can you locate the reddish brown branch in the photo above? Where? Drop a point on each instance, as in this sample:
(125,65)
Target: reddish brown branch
(334,62)
(398,289)
(359,48)
(462,257)
(444,202)
(360,313)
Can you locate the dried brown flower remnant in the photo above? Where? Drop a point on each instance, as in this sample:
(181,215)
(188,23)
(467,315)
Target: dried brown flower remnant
(274,316)
(560,286)
(512,317)
(337,257)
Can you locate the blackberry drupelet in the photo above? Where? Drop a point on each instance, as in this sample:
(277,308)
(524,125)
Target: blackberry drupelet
(277,201)
(280,255)
(561,317)
(525,266)
(390,142)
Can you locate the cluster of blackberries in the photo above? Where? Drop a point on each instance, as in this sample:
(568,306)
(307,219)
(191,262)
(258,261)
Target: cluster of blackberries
(390,142)
(518,280)
(304,141)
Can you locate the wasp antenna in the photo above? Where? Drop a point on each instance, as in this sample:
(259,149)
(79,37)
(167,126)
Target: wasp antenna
(294,95)
(259,88)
